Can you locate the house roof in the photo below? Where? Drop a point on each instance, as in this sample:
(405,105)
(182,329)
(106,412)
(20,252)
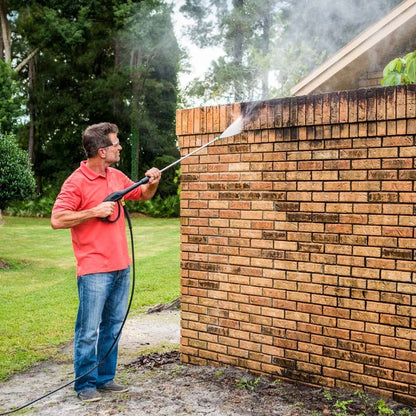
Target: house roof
(368,52)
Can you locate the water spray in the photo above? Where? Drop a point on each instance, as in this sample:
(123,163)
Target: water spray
(235,128)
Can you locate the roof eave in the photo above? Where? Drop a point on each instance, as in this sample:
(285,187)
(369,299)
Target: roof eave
(392,22)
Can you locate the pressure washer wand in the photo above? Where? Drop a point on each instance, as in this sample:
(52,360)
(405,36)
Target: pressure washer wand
(235,128)
(116,196)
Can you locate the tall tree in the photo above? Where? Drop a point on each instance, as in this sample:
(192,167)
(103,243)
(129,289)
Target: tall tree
(11,104)
(6,34)
(151,53)
(81,76)
(277,41)
(246,31)
(11,100)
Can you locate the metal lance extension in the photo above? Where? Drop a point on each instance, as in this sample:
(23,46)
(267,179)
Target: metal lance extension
(235,128)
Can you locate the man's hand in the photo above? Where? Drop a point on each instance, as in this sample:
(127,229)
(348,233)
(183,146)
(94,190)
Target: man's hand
(149,189)
(105,209)
(154,174)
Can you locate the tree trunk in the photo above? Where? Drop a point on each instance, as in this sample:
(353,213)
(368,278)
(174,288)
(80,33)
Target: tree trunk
(117,60)
(1,45)
(139,70)
(31,149)
(135,142)
(5,32)
(1,219)
(265,51)
(238,54)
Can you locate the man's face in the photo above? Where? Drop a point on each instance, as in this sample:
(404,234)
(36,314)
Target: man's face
(113,151)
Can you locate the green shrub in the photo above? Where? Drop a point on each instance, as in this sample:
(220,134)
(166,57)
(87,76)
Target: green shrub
(17,181)
(157,207)
(39,207)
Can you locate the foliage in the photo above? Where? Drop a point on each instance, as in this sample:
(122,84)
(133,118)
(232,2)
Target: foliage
(245,383)
(38,295)
(37,207)
(270,45)
(84,74)
(11,101)
(400,70)
(405,412)
(157,207)
(16,177)
(364,406)
(383,409)
(164,205)
(243,28)
(148,48)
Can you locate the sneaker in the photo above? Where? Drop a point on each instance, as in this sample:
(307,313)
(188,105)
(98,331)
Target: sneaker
(90,395)
(114,387)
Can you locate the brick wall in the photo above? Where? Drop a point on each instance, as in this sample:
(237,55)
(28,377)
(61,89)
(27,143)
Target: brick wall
(298,239)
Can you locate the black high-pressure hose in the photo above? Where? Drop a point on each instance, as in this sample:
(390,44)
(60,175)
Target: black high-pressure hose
(114,197)
(133,280)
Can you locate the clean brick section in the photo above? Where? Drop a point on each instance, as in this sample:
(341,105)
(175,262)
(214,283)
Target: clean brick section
(298,239)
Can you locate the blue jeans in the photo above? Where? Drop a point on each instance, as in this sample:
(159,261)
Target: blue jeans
(103,299)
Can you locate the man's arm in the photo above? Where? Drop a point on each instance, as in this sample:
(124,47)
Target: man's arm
(69,219)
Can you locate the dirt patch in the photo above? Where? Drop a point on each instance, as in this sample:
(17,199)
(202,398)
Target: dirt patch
(160,385)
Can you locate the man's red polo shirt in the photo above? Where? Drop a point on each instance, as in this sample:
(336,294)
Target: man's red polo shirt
(99,246)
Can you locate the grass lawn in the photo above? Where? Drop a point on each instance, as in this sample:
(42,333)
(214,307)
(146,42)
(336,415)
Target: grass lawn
(38,293)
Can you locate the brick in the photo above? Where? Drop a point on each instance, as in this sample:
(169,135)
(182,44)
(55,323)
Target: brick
(383,197)
(335,373)
(364,379)
(350,366)
(405,377)
(406,333)
(366,186)
(393,386)
(327,238)
(383,219)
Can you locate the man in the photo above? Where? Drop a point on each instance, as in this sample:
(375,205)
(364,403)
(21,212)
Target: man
(101,251)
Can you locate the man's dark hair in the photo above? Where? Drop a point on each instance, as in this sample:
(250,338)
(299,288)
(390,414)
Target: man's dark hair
(96,137)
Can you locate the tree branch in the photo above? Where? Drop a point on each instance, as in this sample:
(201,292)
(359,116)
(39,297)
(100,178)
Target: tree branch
(26,60)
